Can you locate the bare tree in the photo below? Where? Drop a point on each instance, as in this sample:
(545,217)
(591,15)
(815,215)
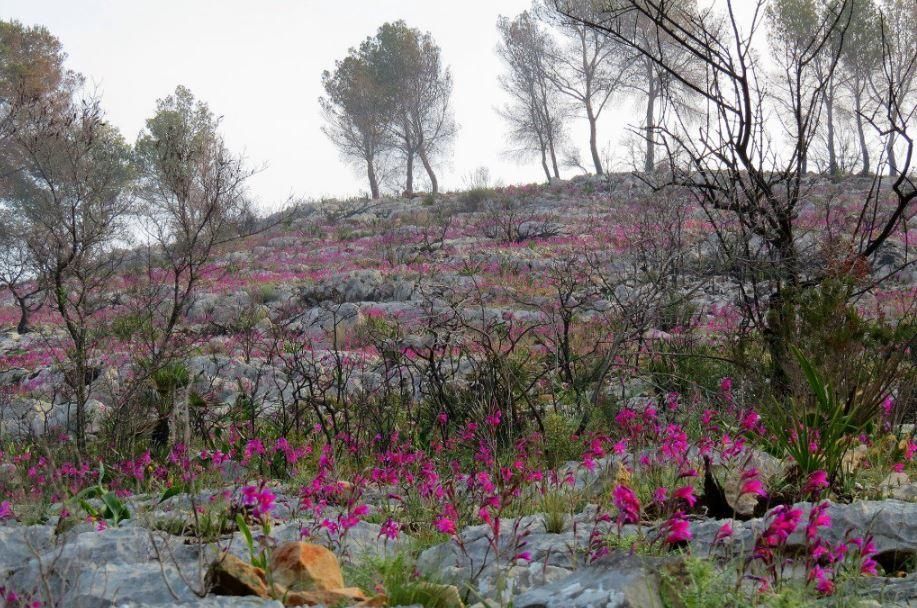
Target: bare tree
(806,40)
(589,69)
(861,58)
(193,195)
(894,89)
(745,184)
(431,114)
(70,195)
(18,271)
(535,115)
(638,37)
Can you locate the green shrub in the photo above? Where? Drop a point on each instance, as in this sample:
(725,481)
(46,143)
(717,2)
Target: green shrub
(696,583)
(128,326)
(473,199)
(685,365)
(267,294)
(861,360)
(815,432)
(559,442)
(402,584)
(170,378)
(557,505)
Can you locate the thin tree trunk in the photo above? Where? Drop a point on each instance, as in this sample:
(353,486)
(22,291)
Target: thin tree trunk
(549,135)
(409,183)
(833,168)
(544,163)
(779,331)
(890,152)
(861,133)
(77,357)
(23,326)
(649,164)
(553,159)
(593,138)
(373,181)
(79,387)
(434,185)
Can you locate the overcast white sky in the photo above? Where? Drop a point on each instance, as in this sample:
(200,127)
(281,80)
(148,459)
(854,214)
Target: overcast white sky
(259,64)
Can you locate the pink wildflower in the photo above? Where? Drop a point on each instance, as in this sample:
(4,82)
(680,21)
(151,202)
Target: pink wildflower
(823,583)
(817,481)
(818,518)
(261,499)
(750,421)
(686,493)
(751,483)
(910,450)
(444,525)
(390,529)
(723,533)
(628,505)
(783,523)
(494,419)
(678,529)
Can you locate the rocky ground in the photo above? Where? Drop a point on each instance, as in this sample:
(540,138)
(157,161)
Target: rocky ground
(354,282)
(138,563)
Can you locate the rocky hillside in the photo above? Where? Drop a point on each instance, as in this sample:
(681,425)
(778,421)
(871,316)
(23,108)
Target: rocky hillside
(540,396)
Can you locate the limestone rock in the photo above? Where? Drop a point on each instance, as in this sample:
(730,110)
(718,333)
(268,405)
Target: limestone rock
(769,468)
(116,566)
(853,457)
(892,524)
(907,492)
(618,581)
(896,485)
(18,544)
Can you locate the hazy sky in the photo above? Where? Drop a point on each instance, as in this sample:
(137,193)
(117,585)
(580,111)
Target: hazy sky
(258,63)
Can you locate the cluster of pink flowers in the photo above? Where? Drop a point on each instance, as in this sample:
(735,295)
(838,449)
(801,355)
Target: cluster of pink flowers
(259,498)
(137,467)
(783,523)
(12,599)
(816,482)
(444,525)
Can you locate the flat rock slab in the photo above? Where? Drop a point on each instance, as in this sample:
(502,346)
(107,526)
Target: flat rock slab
(617,581)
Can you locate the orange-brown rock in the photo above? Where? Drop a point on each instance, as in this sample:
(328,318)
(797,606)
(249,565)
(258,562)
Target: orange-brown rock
(325,597)
(229,575)
(377,601)
(300,566)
